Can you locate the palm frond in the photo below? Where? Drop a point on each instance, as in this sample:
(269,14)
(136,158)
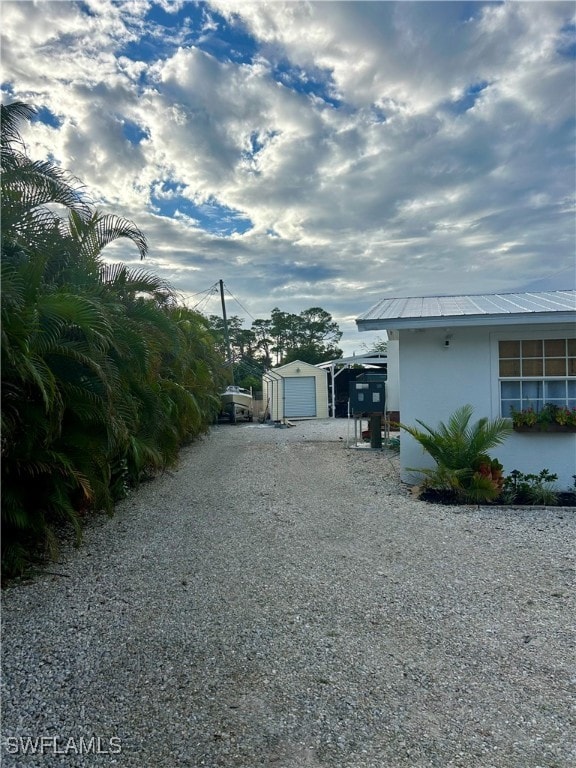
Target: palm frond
(11,117)
(64,309)
(29,184)
(100,229)
(130,283)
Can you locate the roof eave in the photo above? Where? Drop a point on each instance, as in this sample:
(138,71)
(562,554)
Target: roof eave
(473,321)
(355,360)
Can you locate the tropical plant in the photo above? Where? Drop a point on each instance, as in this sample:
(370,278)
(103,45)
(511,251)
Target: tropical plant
(459,449)
(104,376)
(520,488)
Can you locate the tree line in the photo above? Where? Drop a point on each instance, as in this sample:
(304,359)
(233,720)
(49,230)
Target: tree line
(311,336)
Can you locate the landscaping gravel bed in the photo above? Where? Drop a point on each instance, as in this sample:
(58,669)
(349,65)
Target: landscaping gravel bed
(282,600)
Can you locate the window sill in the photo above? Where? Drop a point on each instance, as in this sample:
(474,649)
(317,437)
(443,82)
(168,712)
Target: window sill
(545,428)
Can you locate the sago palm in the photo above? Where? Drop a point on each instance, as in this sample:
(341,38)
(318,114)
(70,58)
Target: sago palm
(460,449)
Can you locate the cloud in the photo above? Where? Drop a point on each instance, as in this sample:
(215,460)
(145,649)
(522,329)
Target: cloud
(315,153)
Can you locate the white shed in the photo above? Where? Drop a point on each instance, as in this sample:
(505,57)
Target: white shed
(296,390)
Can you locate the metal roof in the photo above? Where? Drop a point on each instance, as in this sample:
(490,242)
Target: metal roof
(483,309)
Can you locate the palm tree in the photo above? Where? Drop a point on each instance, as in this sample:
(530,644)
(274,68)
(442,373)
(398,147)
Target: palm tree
(104,376)
(460,451)
(55,339)
(28,188)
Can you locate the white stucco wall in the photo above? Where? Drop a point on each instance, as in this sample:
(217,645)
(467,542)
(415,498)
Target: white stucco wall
(436,379)
(393,375)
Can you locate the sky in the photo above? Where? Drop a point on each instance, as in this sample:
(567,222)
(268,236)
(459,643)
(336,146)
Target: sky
(313,153)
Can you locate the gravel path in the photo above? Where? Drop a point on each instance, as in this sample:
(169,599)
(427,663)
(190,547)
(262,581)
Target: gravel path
(282,601)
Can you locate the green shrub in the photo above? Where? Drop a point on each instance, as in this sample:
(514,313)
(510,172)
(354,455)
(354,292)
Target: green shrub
(459,449)
(520,488)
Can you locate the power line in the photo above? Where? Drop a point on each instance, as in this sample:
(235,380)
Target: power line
(212,288)
(201,305)
(206,295)
(551,274)
(239,303)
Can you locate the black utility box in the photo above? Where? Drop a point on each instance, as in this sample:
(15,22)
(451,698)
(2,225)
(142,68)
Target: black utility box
(368,393)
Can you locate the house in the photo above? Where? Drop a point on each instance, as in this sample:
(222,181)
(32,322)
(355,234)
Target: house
(497,352)
(296,390)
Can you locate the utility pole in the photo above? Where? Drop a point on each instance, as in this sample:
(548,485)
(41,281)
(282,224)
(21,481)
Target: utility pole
(226,334)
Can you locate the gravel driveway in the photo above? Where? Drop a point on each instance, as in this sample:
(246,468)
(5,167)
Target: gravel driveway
(280,600)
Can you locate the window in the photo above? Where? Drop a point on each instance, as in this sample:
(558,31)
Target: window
(537,371)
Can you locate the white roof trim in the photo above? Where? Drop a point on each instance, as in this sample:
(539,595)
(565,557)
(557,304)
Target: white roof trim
(447,321)
(374,358)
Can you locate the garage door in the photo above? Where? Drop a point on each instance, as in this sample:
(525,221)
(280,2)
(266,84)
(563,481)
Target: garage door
(300,396)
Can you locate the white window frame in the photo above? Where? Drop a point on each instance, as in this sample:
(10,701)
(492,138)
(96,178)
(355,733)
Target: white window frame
(528,334)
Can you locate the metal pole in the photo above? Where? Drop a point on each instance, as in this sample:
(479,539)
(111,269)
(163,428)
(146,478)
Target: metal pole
(276,400)
(332,367)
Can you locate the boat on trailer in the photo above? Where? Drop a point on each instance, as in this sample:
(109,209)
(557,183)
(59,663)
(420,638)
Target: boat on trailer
(236,403)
